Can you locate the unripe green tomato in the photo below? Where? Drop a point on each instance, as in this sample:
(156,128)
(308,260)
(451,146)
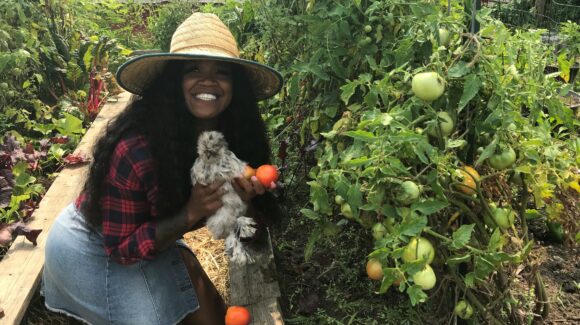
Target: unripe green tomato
(408,192)
(503,160)
(504,217)
(425,278)
(463,309)
(444,36)
(346,211)
(379,231)
(338,199)
(419,249)
(443,125)
(368,29)
(4,86)
(428,85)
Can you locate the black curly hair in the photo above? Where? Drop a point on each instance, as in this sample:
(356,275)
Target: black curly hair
(161,116)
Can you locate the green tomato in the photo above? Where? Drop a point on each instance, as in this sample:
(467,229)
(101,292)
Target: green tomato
(463,309)
(425,278)
(338,199)
(428,85)
(346,211)
(379,231)
(503,160)
(443,125)
(368,29)
(419,249)
(504,217)
(408,193)
(4,86)
(444,36)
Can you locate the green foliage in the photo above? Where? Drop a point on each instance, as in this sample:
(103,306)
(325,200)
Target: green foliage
(52,57)
(354,117)
(166,19)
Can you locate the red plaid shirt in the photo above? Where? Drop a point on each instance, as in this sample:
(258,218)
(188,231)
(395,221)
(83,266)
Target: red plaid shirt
(127,204)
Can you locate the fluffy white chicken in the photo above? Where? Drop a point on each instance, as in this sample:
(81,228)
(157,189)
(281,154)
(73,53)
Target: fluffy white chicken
(216,162)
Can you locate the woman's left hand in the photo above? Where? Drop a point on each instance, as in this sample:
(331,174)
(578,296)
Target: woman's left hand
(248,188)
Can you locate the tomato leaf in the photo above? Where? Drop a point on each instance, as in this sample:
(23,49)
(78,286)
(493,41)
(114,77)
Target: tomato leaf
(462,236)
(348,90)
(416,294)
(310,214)
(472,85)
(458,70)
(428,207)
(361,135)
(487,152)
(413,226)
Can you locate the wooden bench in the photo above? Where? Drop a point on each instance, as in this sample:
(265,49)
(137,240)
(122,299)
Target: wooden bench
(253,286)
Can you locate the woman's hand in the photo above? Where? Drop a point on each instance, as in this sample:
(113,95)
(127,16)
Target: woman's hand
(204,201)
(248,188)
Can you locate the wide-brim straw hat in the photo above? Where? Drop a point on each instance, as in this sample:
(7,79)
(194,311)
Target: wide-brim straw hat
(201,36)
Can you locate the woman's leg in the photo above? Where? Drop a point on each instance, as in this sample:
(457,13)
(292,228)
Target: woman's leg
(212,309)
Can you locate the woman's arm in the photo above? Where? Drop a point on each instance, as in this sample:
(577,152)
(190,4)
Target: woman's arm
(204,201)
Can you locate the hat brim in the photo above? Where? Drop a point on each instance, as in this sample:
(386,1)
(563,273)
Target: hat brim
(137,74)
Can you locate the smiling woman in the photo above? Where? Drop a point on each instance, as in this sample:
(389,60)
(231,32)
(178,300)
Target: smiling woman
(207,88)
(116,254)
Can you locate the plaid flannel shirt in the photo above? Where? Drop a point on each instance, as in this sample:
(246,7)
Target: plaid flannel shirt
(127,205)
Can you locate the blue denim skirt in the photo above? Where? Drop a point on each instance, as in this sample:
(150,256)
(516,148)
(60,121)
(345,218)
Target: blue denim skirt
(81,281)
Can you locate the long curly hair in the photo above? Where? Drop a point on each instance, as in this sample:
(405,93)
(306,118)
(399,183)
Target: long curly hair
(161,116)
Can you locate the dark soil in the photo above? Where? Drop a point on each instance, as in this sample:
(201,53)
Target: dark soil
(561,275)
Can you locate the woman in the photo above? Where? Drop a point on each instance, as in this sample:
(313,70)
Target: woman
(115,255)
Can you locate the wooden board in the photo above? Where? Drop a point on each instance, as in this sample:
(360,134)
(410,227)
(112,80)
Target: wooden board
(21,267)
(255,286)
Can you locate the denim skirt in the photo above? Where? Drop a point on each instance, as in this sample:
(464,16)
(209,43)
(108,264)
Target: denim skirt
(81,281)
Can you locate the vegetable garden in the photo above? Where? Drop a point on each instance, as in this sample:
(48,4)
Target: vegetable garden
(426,147)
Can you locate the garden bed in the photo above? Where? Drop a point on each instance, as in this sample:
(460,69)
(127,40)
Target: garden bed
(332,287)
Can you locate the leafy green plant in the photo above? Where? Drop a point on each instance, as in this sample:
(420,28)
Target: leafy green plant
(349,103)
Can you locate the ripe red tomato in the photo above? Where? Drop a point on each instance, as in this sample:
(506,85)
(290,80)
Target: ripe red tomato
(267,174)
(238,315)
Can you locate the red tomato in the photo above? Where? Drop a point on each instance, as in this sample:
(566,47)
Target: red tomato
(267,174)
(238,315)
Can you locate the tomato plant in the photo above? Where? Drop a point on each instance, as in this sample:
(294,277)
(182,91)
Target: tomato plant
(386,120)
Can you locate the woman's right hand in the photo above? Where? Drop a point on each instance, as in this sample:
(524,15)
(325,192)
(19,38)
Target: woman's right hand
(204,201)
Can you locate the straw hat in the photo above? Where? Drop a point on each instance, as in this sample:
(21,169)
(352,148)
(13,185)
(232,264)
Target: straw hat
(201,36)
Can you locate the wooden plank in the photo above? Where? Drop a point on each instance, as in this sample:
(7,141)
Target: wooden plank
(255,285)
(21,267)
